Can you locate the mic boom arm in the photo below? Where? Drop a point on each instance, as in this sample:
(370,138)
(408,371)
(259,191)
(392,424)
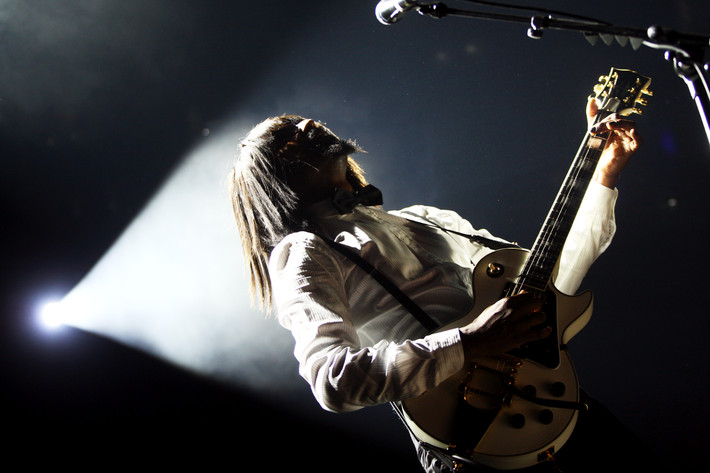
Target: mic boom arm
(686,51)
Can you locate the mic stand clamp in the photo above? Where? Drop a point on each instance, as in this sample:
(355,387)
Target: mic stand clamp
(687,53)
(436,10)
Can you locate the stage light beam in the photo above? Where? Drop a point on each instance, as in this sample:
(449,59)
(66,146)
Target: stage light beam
(172,284)
(51,314)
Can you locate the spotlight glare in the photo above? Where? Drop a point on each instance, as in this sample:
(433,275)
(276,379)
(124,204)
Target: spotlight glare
(51,314)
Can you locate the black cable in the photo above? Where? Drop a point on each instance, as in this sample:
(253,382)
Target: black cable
(579,406)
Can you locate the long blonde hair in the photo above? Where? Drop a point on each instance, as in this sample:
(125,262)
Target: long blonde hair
(265,207)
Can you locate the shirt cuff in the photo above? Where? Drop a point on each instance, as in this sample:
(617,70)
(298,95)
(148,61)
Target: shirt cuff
(448,350)
(601,194)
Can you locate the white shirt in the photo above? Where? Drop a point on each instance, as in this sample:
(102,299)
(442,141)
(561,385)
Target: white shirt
(355,344)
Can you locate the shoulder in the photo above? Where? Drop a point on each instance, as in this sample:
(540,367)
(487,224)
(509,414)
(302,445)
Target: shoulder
(293,244)
(299,250)
(447,219)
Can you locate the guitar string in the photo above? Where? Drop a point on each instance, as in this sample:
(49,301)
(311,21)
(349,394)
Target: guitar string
(572,192)
(582,173)
(550,231)
(544,237)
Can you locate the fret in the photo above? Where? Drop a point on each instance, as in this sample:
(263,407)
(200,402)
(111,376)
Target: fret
(548,246)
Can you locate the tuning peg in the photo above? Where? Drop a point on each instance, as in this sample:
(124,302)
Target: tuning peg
(603,78)
(642,102)
(647,92)
(638,111)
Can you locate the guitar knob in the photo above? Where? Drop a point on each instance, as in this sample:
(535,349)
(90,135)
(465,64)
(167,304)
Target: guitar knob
(517,421)
(494,270)
(558,389)
(546,416)
(530,390)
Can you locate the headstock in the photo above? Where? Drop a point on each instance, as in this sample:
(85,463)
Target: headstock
(622,92)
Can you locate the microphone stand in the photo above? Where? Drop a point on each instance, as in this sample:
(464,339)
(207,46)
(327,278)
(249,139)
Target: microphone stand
(685,51)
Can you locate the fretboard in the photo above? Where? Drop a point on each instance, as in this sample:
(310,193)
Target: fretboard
(549,243)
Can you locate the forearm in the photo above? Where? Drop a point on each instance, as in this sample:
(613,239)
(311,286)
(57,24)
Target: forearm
(345,378)
(589,237)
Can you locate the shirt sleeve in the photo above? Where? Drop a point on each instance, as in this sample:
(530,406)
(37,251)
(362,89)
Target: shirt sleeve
(309,293)
(590,235)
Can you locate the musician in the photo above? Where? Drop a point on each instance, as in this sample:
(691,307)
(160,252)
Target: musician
(296,187)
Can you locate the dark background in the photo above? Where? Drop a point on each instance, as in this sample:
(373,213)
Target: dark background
(100,101)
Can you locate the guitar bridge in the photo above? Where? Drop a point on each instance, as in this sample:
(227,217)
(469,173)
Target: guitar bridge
(487,382)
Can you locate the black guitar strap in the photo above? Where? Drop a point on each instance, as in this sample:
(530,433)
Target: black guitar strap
(489,242)
(423,318)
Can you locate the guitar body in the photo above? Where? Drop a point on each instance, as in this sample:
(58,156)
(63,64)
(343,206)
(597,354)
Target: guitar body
(515,410)
(513,432)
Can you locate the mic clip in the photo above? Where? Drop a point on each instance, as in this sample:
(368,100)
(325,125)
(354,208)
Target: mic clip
(436,10)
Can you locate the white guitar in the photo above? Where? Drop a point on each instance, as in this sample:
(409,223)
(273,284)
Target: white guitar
(516,410)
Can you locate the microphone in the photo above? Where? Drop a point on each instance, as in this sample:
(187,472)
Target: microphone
(391,11)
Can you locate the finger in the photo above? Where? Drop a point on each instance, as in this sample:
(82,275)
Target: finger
(627,138)
(538,333)
(536,318)
(621,125)
(531,334)
(520,297)
(591,110)
(618,125)
(532,305)
(612,117)
(524,303)
(528,314)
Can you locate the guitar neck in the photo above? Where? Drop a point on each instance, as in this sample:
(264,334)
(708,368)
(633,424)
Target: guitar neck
(548,245)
